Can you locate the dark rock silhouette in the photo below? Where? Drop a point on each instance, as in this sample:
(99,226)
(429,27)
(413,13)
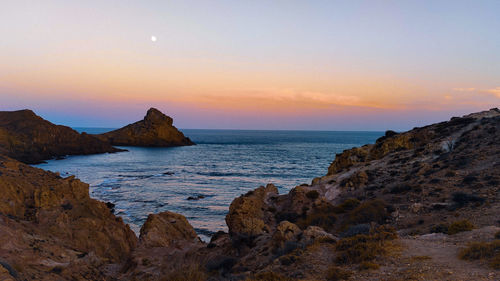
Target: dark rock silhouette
(29,138)
(155,130)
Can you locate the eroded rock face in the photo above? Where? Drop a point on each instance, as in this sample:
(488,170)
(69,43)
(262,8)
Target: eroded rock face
(48,222)
(246,217)
(29,138)
(154,130)
(166,229)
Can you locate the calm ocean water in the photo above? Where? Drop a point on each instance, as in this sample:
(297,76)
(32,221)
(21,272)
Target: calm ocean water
(224,165)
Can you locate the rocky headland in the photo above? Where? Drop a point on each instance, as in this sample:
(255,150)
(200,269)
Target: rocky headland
(419,205)
(155,130)
(29,138)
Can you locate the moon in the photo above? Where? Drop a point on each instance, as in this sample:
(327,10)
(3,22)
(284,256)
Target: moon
(153,38)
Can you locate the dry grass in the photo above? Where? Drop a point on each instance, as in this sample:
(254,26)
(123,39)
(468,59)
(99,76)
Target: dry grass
(268,276)
(453,228)
(363,248)
(460,226)
(489,251)
(189,273)
(322,215)
(368,211)
(420,258)
(335,273)
(367,265)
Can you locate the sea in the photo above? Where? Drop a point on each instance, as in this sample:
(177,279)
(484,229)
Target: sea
(201,181)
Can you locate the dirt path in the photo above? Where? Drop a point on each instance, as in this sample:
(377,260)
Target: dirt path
(434,257)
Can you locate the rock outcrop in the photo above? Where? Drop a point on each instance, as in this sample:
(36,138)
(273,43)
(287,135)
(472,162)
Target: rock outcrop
(155,130)
(29,138)
(166,229)
(425,175)
(246,217)
(50,229)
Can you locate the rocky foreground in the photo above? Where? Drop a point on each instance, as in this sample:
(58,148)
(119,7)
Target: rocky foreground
(404,208)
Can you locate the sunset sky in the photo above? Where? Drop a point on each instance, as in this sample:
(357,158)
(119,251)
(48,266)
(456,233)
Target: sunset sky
(319,65)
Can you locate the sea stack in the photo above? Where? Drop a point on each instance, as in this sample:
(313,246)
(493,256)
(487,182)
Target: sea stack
(155,130)
(31,139)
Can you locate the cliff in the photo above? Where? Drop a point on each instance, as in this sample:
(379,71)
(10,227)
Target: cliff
(155,130)
(50,229)
(31,139)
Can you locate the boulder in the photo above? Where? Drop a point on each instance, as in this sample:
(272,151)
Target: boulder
(312,233)
(286,231)
(166,229)
(246,217)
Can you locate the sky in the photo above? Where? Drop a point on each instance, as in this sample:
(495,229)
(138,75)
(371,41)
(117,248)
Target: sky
(314,65)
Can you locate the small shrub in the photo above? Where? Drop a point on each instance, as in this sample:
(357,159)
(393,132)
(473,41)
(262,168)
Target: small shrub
(453,228)
(362,247)
(369,211)
(440,228)
(469,179)
(222,263)
(450,174)
(366,265)
(335,273)
(460,226)
(356,230)
(348,205)
(291,217)
(420,258)
(462,199)
(67,206)
(57,270)
(322,216)
(312,194)
(483,251)
(269,276)
(188,273)
(400,189)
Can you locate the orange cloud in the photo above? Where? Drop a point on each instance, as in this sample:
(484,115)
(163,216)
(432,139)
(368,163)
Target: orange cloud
(495,91)
(277,100)
(464,89)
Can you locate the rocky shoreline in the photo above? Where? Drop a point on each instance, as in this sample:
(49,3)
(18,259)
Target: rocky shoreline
(27,137)
(406,207)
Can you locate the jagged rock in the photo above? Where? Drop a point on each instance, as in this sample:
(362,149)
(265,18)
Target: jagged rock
(313,233)
(166,229)
(52,222)
(348,158)
(286,231)
(358,179)
(246,213)
(155,129)
(31,139)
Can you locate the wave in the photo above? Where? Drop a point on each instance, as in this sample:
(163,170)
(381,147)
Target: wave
(221,174)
